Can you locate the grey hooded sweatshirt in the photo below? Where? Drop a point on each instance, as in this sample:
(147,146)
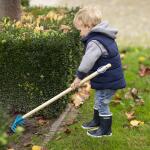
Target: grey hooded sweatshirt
(94,48)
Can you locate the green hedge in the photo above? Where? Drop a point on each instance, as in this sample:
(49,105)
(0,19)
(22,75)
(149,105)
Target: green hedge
(25,3)
(35,66)
(3,127)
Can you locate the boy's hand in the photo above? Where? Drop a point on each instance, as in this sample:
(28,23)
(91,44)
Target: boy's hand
(75,83)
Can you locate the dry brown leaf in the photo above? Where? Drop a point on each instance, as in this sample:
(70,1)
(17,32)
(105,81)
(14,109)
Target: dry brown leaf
(83,93)
(134,93)
(53,15)
(70,122)
(116,102)
(117,99)
(137,99)
(128,95)
(67,131)
(42,121)
(87,86)
(65,28)
(130,115)
(143,71)
(58,138)
(77,100)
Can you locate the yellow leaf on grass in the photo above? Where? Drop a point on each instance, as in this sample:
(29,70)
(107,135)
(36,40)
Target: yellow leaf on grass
(141,59)
(36,147)
(135,123)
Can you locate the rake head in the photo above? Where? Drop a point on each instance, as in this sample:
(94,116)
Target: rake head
(18,122)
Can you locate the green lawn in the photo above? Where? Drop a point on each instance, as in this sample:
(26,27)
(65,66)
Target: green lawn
(123,138)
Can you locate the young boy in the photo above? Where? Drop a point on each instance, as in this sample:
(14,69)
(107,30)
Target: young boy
(100,49)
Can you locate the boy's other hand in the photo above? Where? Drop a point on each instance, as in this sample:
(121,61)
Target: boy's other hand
(75,83)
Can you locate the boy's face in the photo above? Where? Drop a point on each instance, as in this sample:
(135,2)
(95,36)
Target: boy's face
(84,30)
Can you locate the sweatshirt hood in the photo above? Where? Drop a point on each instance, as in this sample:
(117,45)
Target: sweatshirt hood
(106,29)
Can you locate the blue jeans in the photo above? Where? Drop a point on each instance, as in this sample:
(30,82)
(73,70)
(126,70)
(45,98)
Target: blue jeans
(102,100)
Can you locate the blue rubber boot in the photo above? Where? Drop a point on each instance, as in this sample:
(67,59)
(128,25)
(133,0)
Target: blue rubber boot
(94,123)
(104,129)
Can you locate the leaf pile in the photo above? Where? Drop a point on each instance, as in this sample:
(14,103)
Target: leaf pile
(83,93)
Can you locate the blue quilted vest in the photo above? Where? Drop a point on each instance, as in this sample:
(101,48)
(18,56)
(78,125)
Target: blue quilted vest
(113,78)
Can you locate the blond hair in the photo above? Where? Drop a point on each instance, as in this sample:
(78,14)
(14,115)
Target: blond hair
(87,16)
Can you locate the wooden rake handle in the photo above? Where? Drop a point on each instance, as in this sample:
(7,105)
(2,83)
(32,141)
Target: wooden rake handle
(100,70)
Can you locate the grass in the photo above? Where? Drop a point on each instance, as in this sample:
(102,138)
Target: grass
(123,138)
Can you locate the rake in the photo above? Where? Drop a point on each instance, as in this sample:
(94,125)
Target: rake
(20,120)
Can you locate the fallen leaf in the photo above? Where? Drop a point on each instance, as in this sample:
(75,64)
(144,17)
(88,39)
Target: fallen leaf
(27,143)
(115,102)
(130,115)
(134,93)
(42,121)
(125,67)
(117,99)
(53,16)
(128,95)
(65,28)
(70,122)
(143,71)
(58,138)
(141,59)
(83,93)
(142,122)
(77,100)
(87,86)
(136,123)
(67,131)
(122,56)
(137,99)
(35,147)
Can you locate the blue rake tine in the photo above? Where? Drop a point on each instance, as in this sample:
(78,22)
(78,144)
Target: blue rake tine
(18,122)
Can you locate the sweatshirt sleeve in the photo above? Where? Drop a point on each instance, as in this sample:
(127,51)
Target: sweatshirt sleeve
(92,53)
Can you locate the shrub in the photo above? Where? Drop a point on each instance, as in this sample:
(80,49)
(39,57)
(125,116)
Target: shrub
(3,126)
(25,3)
(37,64)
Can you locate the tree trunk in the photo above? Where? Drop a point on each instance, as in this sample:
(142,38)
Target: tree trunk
(10,8)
